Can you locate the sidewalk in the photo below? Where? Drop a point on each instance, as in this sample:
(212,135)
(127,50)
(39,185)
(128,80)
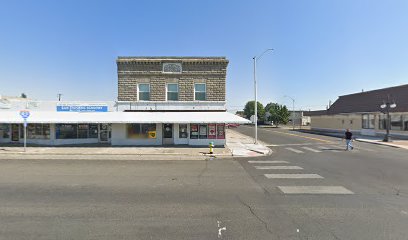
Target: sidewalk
(243,146)
(374,140)
(237,145)
(394,143)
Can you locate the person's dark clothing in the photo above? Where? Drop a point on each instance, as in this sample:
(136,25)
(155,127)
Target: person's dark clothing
(349,135)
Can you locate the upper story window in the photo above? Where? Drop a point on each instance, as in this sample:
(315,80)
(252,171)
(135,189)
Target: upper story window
(172,68)
(144,92)
(172,92)
(199,92)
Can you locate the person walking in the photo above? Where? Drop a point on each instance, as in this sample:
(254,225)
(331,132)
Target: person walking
(349,138)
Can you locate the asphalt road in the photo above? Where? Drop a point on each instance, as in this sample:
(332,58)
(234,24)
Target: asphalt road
(214,199)
(376,175)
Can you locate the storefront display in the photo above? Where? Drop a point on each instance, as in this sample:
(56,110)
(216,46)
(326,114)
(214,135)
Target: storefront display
(137,130)
(220,131)
(4,130)
(38,131)
(183,131)
(203,131)
(212,133)
(193,131)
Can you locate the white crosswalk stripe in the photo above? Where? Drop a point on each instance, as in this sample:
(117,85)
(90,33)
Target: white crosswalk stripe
(268,162)
(327,148)
(292,176)
(314,190)
(294,150)
(311,149)
(279,167)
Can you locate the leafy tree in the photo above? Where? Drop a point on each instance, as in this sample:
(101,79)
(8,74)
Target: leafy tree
(23,95)
(249,110)
(269,106)
(279,113)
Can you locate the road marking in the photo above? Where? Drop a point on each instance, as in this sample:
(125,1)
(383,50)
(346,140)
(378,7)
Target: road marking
(268,162)
(311,149)
(294,150)
(314,190)
(278,167)
(297,135)
(293,176)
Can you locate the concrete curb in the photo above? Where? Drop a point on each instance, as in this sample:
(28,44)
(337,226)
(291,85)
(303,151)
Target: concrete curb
(380,143)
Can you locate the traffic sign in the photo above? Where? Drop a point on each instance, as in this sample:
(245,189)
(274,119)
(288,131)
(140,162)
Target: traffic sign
(24,114)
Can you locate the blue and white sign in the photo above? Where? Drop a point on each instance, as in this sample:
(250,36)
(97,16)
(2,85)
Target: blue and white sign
(81,108)
(24,114)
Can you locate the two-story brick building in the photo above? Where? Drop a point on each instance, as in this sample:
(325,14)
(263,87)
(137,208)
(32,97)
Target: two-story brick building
(161,101)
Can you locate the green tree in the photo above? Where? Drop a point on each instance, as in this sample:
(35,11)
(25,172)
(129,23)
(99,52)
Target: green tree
(23,95)
(249,110)
(279,114)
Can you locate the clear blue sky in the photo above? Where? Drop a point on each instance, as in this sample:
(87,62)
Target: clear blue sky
(323,48)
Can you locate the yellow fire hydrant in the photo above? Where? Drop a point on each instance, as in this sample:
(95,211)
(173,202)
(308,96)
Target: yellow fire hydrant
(211,145)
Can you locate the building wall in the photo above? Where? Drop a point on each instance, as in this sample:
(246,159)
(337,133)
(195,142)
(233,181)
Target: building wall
(353,122)
(119,136)
(132,71)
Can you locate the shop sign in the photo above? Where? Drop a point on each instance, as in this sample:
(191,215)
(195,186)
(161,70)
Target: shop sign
(151,134)
(78,107)
(211,131)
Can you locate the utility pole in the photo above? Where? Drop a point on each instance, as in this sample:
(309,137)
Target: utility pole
(59,96)
(293,112)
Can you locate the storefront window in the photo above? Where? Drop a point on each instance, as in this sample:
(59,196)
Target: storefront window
(66,131)
(83,130)
(203,131)
(396,122)
(405,122)
(194,131)
(212,133)
(137,130)
(382,121)
(4,131)
(38,131)
(220,131)
(183,131)
(93,130)
(368,121)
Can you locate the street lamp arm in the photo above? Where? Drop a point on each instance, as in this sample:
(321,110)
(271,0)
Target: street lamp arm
(260,55)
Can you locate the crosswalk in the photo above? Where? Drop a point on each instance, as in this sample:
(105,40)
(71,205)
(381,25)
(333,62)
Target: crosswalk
(299,149)
(295,177)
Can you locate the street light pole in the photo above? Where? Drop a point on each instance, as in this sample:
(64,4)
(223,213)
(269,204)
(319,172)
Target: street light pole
(387,106)
(293,112)
(256,95)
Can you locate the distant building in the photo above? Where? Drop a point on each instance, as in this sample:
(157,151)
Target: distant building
(361,112)
(299,118)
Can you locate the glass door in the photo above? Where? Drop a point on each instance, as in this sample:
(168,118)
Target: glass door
(104,132)
(15,132)
(168,134)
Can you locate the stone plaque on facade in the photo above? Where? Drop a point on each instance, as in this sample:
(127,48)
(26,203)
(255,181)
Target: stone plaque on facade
(172,67)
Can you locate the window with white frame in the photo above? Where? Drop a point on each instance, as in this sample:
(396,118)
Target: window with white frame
(200,92)
(368,121)
(144,92)
(172,92)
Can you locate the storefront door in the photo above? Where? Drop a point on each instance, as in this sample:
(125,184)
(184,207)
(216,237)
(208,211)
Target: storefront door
(168,134)
(104,133)
(15,132)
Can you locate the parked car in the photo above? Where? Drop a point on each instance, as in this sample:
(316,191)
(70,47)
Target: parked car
(232,125)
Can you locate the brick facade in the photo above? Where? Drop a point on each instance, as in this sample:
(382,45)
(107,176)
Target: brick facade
(209,70)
